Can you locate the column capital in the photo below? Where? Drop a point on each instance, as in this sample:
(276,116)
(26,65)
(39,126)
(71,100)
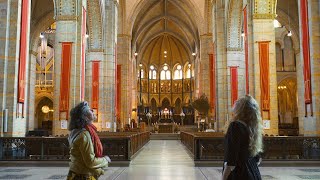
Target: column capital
(264,9)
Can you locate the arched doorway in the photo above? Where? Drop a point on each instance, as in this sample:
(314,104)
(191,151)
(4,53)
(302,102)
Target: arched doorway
(287,107)
(44,115)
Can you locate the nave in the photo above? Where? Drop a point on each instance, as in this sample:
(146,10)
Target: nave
(157,160)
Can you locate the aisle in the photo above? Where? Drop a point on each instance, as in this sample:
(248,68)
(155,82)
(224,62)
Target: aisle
(162,159)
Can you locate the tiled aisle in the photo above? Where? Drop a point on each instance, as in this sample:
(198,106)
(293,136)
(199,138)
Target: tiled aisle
(160,159)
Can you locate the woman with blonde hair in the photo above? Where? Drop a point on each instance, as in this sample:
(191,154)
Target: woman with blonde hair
(243,141)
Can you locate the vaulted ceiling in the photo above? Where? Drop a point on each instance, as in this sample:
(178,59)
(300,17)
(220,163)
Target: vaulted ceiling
(165,25)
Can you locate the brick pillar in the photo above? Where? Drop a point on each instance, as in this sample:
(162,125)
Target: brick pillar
(68,30)
(263,31)
(108,66)
(127,77)
(10,52)
(309,124)
(221,63)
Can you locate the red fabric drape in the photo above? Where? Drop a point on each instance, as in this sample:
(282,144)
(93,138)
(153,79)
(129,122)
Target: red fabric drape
(234,84)
(305,50)
(65,76)
(98,149)
(264,75)
(95,84)
(23,50)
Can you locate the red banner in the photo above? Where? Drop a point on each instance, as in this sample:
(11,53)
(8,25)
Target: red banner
(83,54)
(65,77)
(305,50)
(95,84)
(234,83)
(118,100)
(23,50)
(246,47)
(264,75)
(212,83)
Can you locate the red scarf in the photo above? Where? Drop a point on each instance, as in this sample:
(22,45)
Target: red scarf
(98,149)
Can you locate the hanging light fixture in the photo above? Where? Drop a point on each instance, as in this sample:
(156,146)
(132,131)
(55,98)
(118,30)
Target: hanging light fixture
(289,33)
(242,34)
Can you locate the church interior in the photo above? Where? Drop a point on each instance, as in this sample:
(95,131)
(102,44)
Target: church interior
(162,77)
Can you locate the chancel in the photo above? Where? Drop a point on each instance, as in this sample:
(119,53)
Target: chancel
(162,77)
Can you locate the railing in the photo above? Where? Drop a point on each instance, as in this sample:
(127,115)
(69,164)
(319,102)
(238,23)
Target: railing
(119,146)
(210,146)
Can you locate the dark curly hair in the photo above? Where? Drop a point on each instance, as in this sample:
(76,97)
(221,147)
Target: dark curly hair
(79,116)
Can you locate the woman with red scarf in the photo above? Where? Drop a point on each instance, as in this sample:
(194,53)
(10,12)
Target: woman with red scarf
(87,161)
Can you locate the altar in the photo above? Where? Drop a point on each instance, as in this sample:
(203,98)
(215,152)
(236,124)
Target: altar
(165,128)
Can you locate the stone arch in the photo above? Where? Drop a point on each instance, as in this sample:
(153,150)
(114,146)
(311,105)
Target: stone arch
(294,27)
(165,100)
(40,116)
(234,25)
(288,107)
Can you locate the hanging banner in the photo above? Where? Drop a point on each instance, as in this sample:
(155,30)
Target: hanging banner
(65,78)
(83,51)
(246,47)
(234,84)
(264,76)
(23,50)
(306,53)
(95,85)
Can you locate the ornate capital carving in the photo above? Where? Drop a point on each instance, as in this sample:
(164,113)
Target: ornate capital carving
(265,9)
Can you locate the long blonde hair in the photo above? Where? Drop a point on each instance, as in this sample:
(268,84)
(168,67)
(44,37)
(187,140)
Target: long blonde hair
(246,109)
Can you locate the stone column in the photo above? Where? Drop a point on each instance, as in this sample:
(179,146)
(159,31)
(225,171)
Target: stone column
(235,57)
(127,76)
(68,29)
(95,55)
(263,30)
(109,65)
(310,125)
(31,124)
(204,76)
(221,67)
(10,32)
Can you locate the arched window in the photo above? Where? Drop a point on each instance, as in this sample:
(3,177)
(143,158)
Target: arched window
(152,73)
(165,73)
(188,72)
(142,73)
(178,72)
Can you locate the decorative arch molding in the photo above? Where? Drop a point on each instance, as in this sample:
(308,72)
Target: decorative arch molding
(156,98)
(234,25)
(95,24)
(39,27)
(292,77)
(42,95)
(165,97)
(294,27)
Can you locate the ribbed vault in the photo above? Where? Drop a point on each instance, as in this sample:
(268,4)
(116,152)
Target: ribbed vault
(165,25)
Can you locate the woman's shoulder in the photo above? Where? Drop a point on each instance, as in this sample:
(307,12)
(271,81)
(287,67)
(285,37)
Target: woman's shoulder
(237,124)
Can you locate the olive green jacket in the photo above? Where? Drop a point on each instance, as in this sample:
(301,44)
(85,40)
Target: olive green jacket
(83,160)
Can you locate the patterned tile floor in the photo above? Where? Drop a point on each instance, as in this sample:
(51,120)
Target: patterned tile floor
(159,160)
